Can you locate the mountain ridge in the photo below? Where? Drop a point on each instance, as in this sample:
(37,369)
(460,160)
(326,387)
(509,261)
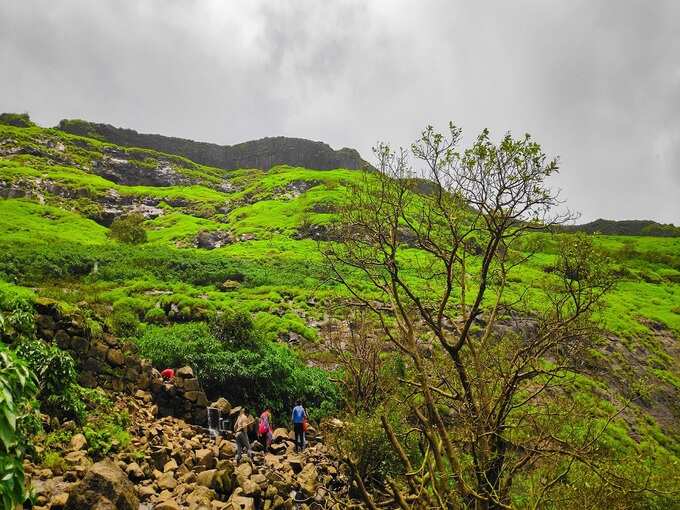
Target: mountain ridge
(262,154)
(626,227)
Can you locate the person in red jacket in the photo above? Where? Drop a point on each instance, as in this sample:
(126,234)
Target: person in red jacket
(168,374)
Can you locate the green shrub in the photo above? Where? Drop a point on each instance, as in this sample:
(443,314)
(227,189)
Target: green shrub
(155,316)
(17,317)
(363,440)
(177,345)
(124,322)
(59,393)
(55,462)
(17,388)
(107,434)
(104,440)
(270,375)
(21,120)
(128,229)
(235,330)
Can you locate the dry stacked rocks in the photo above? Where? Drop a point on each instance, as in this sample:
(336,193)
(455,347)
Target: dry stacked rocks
(172,465)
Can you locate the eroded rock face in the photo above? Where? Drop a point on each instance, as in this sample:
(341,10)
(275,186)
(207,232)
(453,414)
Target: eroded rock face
(213,239)
(263,154)
(124,168)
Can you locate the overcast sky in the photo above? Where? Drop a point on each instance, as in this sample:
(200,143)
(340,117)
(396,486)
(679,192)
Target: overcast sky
(596,82)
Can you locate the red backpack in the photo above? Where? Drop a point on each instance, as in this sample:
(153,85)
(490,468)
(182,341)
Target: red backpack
(264,424)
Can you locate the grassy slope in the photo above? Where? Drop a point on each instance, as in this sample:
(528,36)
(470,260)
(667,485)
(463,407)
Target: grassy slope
(279,274)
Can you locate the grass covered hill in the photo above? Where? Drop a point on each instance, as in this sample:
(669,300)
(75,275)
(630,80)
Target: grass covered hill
(244,243)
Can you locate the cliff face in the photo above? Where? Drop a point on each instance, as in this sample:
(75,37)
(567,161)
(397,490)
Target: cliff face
(263,154)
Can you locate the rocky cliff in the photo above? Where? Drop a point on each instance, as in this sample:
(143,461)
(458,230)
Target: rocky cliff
(263,154)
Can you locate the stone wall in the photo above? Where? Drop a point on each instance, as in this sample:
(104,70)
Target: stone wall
(110,363)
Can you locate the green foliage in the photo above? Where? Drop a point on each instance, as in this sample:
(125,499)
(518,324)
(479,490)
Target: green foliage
(107,435)
(155,316)
(109,438)
(128,229)
(272,375)
(362,439)
(21,120)
(17,318)
(235,330)
(59,393)
(17,388)
(124,322)
(177,345)
(55,462)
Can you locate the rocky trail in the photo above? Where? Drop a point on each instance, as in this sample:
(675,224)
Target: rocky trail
(172,465)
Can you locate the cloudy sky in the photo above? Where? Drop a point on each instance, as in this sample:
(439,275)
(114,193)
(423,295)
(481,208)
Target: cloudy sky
(596,82)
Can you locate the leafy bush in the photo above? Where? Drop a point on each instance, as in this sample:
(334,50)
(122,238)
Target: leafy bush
(21,120)
(124,323)
(270,375)
(235,330)
(55,462)
(155,316)
(364,442)
(17,318)
(108,434)
(177,345)
(128,229)
(59,393)
(17,388)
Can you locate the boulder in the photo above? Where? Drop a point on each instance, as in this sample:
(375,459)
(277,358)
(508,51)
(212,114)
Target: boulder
(185,373)
(307,478)
(170,465)
(115,357)
(242,503)
(58,502)
(223,405)
(167,481)
(205,458)
(249,487)
(227,449)
(280,434)
(278,448)
(168,504)
(78,442)
(296,464)
(134,472)
(244,470)
(104,486)
(206,478)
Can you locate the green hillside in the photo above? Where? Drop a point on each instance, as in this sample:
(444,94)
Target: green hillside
(248,241)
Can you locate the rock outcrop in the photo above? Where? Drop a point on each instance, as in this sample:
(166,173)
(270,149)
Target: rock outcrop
(263,154)
(114,365)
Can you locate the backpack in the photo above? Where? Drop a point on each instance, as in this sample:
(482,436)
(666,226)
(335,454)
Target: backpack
(264,425)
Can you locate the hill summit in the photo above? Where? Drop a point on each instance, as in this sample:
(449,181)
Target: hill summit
(262,154)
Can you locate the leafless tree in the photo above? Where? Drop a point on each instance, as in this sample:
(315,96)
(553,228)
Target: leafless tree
(433,255)
(358,351)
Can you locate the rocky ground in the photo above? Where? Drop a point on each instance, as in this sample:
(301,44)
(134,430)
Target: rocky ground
(174,465)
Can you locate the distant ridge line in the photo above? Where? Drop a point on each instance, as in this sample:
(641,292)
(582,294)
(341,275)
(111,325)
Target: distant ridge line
(262,154)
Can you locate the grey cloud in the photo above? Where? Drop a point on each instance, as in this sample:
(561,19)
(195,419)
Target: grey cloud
(596,82)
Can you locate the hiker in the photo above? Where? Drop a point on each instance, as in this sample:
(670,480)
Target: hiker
(168,374)
(265,429)
(299,419)
(242,442)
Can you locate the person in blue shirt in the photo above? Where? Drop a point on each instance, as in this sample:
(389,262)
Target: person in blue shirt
(299,418)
